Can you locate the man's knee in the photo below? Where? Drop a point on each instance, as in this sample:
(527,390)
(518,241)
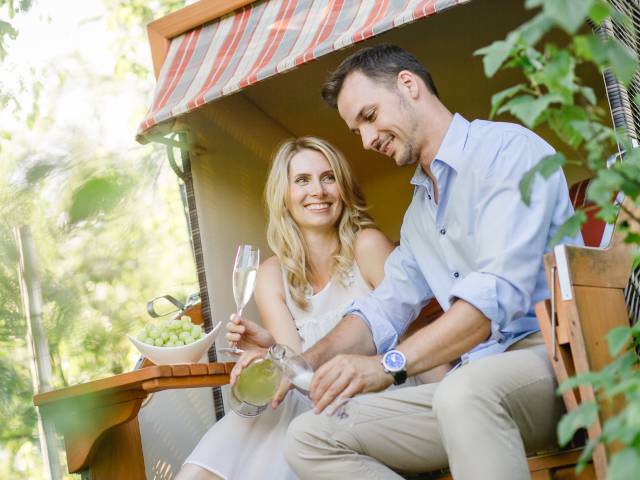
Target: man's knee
(457,397)
(300,439)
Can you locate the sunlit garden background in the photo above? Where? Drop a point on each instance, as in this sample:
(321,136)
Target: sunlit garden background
(105,213)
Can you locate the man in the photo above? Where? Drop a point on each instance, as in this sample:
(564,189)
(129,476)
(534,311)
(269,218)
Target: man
(468,240)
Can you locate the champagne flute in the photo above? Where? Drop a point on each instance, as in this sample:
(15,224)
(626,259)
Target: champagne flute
(245,269)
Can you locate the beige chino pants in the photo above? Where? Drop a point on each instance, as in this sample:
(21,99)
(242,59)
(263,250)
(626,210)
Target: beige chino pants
(480,421)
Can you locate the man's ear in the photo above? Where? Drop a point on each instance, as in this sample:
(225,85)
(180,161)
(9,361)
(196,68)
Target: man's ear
(408,82)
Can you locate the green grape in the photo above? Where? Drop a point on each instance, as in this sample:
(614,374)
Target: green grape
(196,331)
(171,333)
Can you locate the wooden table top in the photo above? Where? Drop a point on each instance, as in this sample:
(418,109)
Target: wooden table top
(148,379)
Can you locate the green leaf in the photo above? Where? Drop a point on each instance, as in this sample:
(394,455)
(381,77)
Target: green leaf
(495,55)
(569,14)
(599,12)
(500,97)
(581,417)
(624,387)
(607,53)
(586,454)
(528,109)
(622,60)
(96,196)
(585,378)
(532,31)
(624,465)
(562,122)
(569,228)
(587,92)
(617,338)
(558,73)
(7,29)
(602,188)
(545,167)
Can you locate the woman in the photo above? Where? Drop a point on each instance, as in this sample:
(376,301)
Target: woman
(327,252)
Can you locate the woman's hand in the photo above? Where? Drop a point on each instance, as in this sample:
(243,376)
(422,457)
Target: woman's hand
(247,334)
(283,389)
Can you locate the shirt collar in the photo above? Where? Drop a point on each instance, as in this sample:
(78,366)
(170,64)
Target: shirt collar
(451,149)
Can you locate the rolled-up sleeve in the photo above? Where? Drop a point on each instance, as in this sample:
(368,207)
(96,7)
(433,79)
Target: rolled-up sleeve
(389,309)
(511,237)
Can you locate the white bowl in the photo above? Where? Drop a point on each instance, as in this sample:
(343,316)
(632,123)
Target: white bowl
(191,353)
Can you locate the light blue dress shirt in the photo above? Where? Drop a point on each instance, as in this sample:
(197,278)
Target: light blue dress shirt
(479,243)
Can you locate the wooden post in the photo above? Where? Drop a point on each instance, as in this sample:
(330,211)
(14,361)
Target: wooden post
(40,364)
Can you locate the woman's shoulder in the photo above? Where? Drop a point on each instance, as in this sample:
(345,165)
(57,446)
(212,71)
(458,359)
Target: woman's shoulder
(371,241)
(270,274)
(270,268)
(371,251)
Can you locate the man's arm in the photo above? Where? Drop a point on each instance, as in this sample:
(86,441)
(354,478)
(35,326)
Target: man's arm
(351,335)
(457,331)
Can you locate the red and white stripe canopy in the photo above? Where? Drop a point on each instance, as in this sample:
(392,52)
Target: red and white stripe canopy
(266,38)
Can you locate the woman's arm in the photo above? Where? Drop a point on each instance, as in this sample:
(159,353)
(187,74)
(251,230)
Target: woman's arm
(270,300)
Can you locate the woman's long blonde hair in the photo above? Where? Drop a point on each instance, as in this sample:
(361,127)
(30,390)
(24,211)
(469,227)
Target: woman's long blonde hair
(283,234)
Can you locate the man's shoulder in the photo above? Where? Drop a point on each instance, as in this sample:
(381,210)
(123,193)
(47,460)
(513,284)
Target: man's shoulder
(488,130)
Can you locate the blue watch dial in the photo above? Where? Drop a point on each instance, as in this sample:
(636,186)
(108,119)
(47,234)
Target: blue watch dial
(394,360)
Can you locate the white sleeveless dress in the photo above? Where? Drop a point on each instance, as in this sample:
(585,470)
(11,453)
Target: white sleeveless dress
(237,448)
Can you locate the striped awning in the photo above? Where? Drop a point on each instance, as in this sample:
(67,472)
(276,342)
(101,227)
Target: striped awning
(266,38)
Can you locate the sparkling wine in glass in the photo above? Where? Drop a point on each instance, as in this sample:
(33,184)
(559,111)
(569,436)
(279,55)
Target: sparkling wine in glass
(255,387)
(245,269)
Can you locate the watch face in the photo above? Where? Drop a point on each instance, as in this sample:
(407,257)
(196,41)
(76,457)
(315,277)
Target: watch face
(394,360)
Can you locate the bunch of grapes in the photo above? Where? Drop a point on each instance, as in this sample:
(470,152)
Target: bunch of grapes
(172,333)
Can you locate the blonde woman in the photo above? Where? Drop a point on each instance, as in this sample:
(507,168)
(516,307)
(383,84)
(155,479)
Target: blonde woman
(327,252)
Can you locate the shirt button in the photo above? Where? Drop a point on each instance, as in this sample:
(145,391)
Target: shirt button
(443,231)
(456,274)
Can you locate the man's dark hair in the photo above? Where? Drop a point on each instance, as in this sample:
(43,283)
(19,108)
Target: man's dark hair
(381,63)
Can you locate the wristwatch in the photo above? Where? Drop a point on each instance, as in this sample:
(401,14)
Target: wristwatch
(394,362)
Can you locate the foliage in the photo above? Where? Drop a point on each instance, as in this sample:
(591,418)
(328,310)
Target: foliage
(108,225)
(553,94)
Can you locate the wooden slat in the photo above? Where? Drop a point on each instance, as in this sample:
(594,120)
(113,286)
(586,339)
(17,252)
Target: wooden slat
(198,369)
(215,368)
(158,384)
(181,370)
(563,365)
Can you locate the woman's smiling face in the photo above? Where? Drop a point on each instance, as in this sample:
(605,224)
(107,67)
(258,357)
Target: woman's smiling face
(313,198)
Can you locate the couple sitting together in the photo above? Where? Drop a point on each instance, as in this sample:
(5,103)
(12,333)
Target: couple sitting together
(339,291)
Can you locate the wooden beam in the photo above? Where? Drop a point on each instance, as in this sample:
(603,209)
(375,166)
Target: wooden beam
(161,31)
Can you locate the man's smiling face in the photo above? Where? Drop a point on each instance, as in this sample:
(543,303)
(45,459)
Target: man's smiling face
(382,115)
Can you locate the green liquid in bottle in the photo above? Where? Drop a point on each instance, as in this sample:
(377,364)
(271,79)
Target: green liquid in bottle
(258,383)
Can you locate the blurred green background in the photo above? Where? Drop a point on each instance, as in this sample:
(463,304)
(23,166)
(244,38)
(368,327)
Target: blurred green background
(105,213)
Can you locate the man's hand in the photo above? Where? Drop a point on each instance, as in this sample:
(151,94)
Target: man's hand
(248,334)
(345,376)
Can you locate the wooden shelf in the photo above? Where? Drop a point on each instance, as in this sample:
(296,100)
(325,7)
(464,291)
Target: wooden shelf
(94,416)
